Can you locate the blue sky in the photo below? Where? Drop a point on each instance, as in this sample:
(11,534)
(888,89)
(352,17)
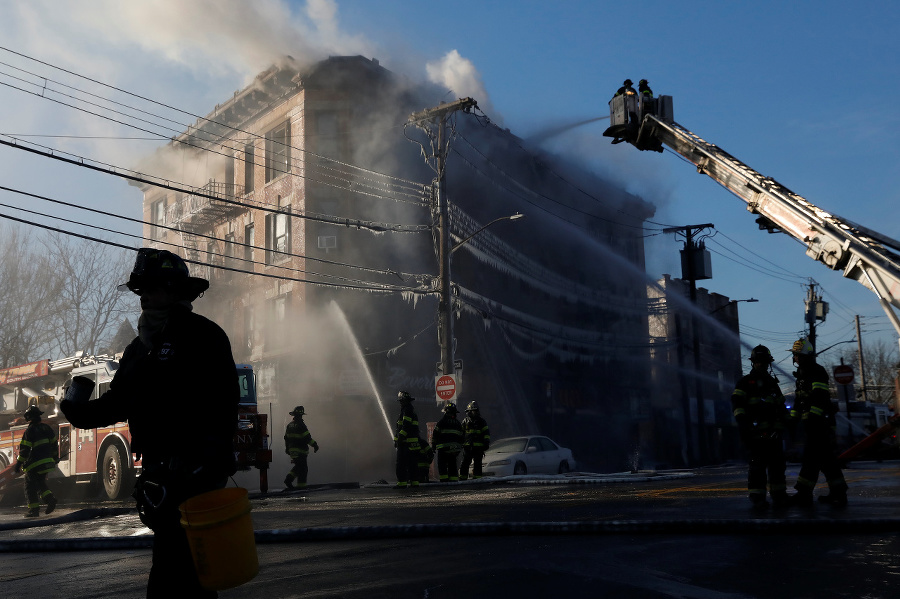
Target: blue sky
(803,92)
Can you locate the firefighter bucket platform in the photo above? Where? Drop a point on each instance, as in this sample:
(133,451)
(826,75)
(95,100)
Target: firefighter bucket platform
(220,533)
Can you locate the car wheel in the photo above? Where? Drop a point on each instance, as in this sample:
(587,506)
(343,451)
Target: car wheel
(564,467)
(520,469)
(112,471)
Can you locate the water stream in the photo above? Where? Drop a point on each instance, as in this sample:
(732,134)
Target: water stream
(341,319)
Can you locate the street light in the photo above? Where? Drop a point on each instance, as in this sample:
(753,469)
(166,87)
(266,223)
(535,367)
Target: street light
(728,303)
(515,216)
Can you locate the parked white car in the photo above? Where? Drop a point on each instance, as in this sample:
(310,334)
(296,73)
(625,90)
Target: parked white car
(527,455)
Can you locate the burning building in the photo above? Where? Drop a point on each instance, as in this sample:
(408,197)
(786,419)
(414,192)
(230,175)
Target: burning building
(314,222)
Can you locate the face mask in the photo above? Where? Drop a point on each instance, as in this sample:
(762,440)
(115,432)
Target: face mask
(150,324)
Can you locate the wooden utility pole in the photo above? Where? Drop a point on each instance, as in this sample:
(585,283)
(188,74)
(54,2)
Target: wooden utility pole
(430,119)
(862,364)
(689,272)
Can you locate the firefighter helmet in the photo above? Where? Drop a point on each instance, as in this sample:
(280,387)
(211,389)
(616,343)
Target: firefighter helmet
(642,82)
(628,83)
(298,411)
(404,396)
(472,407)
(802,347)
(154,267)
(32,413)
(450,408)
(761,353)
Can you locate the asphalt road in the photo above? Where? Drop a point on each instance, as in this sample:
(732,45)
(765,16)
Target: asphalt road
(674,534)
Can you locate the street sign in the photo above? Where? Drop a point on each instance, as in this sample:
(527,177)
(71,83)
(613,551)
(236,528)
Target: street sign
(457,367)
(445,387)
(843,374)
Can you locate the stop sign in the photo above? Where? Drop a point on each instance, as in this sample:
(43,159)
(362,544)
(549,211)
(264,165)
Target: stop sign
(445,386)
(843,374)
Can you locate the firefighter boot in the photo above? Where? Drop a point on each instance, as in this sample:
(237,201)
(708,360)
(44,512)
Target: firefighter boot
(288,484)
(780,499)
(33,512)
(837,497)
(51,504)
(802,498)
(759,501)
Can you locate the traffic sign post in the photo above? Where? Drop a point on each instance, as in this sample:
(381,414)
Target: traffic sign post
(445,387)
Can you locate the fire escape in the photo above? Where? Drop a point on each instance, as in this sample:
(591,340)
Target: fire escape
(195,216)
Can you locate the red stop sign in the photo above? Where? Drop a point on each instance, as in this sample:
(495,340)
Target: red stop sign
(843,374)
(445,387)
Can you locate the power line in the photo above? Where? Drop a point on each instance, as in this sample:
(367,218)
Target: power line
(375,287)
(399,274)
(189,127)
(333,220)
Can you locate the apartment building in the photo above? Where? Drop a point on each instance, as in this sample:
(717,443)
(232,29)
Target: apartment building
(313,220)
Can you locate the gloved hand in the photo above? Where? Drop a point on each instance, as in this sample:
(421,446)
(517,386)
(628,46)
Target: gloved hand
(316,448)
(395,445)
(18,468)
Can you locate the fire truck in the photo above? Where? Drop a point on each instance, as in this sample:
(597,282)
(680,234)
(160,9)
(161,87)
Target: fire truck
(102,456)
(869,257)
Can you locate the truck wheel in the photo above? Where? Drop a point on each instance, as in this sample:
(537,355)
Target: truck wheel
(112,472)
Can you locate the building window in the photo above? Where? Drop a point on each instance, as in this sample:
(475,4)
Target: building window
(249,326)
(278,234)
(248,246)
(158,219)
(230,261)
(210,259)
(277,316)
(278,151)
(327,135)
(248,168)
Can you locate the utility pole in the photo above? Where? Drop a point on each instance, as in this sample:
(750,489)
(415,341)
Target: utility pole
(694,265)
(437,118)
(816,309)
(862,364)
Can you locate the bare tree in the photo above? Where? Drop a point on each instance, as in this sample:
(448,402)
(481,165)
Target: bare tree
(59,295)
(28,291)
(880,360)
(90,308)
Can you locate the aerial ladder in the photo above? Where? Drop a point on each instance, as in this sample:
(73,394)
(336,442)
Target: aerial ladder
(858,252)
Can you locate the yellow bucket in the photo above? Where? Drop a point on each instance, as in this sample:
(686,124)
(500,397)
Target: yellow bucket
(220,533)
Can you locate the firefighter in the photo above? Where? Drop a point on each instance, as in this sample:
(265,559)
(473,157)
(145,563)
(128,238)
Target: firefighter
(476,440)
(179,361)
(38,455)
(626,89)
(815,410)
(426,457)
(447,442)
(644,89)
(761,416)
(406,440)
(297,441)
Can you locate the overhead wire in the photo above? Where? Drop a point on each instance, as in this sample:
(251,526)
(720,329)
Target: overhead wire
(169,107)
(208,237)
(372,287)
(123,173)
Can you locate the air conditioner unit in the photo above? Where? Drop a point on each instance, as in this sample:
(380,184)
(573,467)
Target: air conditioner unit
(327,242)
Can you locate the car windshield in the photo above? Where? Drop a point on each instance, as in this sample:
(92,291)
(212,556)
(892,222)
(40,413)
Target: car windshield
(509,445)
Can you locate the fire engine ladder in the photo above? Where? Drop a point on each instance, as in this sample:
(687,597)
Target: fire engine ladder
(869,257)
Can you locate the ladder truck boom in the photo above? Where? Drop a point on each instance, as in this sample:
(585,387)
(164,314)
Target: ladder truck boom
(860,253)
